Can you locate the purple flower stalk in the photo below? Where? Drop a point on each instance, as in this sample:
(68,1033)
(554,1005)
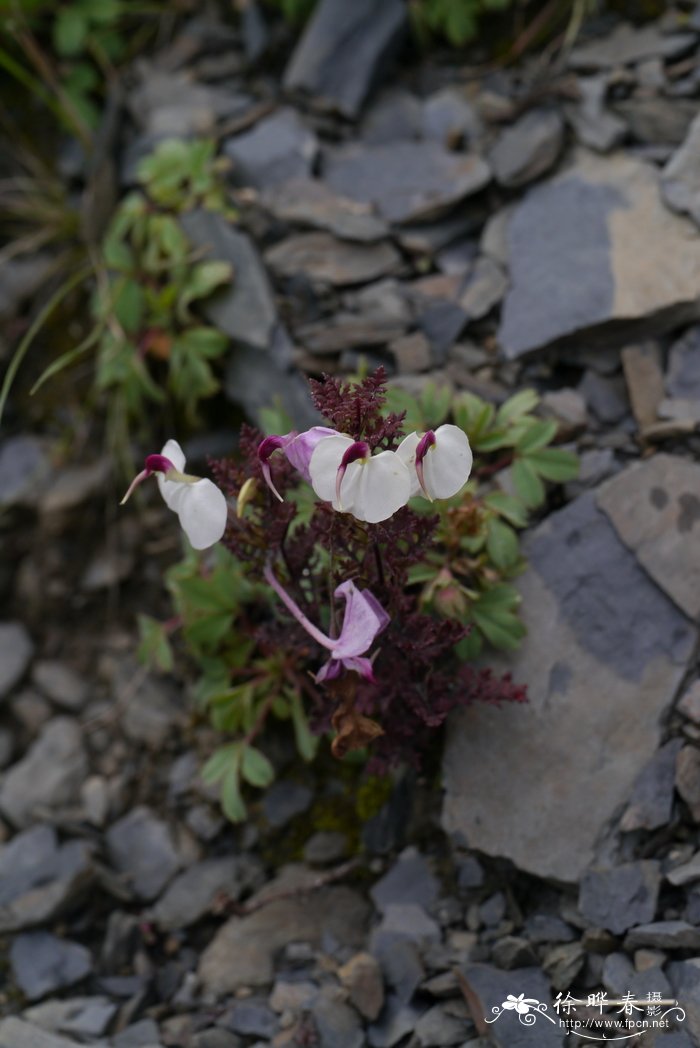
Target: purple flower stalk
(363,620)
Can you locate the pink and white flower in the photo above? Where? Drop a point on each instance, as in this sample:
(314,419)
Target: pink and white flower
(363,620)
(199,504)
(439,461)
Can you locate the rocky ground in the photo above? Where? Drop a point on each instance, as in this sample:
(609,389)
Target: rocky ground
(489,229)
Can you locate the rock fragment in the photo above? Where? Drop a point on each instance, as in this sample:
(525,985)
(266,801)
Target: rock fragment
(335,74)
(580,650)
(577,246)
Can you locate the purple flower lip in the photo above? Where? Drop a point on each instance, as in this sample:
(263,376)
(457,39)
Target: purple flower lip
(153,464)
(363,620)
(426,442)
(158,464)
(266,448)
(298,448)
(357,451)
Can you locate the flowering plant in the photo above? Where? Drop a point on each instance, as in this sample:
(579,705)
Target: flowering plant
(358,544)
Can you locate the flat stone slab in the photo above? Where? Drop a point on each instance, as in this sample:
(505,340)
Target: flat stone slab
(606,649)
(655,508)
(406,181)
(243,950)
(344,50)
(310,202)
(583,252)
(320,257)
(246,310)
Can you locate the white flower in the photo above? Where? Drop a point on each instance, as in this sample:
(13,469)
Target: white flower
(345,473)
(199,504)
(439,462)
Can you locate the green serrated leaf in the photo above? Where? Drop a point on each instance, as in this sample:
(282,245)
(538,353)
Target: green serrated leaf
(502,544)
(520,404)
(220,762)
(231,800)
(528,483)
(554,464)
(307,744)
(154,647)
(69,32)
(256,769)
(537,435)
(502,629)
(508,506)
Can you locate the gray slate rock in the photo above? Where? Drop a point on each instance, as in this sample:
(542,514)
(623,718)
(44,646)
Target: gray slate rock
(683,375)
(544,927)
(24,468)
(491,988)
(606,396)
(655,508)
(172,103)
(680,179)
(398,1019)
(578,245)
(310,202)
(395,115)
(664,935)
(142,1034)
(344,51)
(528,148)
(595,126)
(16,650)
(252,1018)
(246,310)
(437,1028)
(485,287)
(277,149)
(410,880)
(42,963)
(83,1017)
(191,895)
(285,800)
(323,258)
(685,980)
(620,897)
(651,801)
(584,665)
(337,1024)
(242,951)
(405,181)
(49,776)
(40,879)
(141,847)
(60,683)
(449,117)
(16,1033)
(628,44)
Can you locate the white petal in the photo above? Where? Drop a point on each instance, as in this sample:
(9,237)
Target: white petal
(203,513)
(175,454)
(448,463)
(382,487)
(324,465)
(170,489)
(407,453)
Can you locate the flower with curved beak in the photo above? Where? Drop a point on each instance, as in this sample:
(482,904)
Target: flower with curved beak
(439,461)
(199,504)
(345,473)
(363,620)
(298,448)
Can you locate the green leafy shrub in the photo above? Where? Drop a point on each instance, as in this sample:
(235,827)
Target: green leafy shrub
(152,340)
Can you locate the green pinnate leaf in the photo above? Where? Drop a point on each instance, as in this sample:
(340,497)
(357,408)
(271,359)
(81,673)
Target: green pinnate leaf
(554,464)
(502,544)
(256,769)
